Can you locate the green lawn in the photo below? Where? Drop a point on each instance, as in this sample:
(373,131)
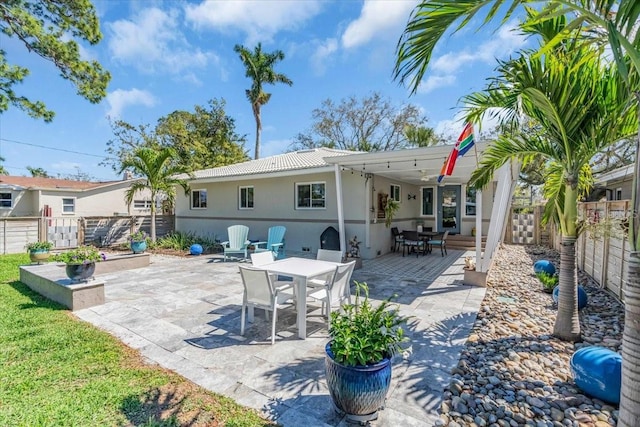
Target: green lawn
(58,371)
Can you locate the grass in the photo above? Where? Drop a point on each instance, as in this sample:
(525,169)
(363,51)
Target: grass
(58,371)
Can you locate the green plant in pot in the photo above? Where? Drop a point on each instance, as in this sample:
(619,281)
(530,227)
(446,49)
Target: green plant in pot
(138,242)
(549,281)
(363,339)
(390,209)
(39,251)
(80,262)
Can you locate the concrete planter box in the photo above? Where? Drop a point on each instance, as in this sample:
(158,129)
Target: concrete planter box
(475,278)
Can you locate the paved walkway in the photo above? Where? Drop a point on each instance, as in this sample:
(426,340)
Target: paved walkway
(184,314)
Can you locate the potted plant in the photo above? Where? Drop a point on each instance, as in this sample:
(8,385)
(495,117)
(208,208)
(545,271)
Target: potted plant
(363,338)
(549,281)
(138,242)
(39,251)
(390,209)
(80,262)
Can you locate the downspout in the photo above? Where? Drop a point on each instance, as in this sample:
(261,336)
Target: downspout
(367,214)
(341,229)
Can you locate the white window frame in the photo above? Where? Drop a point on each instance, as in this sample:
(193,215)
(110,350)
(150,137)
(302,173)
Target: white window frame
(145,202)
(433,202)
(619,193)
(206,200)
(310,184)
(395,193)
(10,199)
(467,188)
(253,201)
(73,205)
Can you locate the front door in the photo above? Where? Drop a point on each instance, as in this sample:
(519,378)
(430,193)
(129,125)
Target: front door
(449,209)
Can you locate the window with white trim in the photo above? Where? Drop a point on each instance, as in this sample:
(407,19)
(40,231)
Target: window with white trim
(310,195)
(618,193)
(68,205)
(142,204)
(394,192)
(6,200)
(198,199)
(470,202)
(427,201)
(246,197)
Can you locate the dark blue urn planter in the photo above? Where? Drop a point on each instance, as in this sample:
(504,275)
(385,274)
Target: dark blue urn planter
(598,372)
(78,273)
(358,391)
(545,266)
(139,247)
(582,296)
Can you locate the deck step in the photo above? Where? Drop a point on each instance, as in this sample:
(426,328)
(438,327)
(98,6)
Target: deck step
(458,241)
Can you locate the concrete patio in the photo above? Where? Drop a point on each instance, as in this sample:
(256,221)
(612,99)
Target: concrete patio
(184,314)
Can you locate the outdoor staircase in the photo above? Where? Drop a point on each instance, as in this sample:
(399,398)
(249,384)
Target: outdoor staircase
(466,243)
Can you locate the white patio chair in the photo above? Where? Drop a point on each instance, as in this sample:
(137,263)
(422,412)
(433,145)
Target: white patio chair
(325,255)
(237,243)
(275,241)
(258,259)
(260,292)
(335,292)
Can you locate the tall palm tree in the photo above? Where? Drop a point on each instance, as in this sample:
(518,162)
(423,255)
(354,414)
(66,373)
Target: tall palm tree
(160,172)
(259,68)
(612,22)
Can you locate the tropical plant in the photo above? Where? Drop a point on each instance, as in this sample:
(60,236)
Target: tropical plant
(549,281)
(160,175)
(39,246)
(608,22)
(391,207)
(80,255)
(138,236)
(362,334)
(259,68)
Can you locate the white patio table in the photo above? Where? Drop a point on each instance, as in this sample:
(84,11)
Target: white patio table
(300,269)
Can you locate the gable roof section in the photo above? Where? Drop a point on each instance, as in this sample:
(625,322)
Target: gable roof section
(38,183)
(302,160)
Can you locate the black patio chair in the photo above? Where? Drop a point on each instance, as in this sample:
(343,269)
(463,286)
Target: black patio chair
(413,241)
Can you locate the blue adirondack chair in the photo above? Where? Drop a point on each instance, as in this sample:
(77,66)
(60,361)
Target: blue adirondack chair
(274,243)
(237,242)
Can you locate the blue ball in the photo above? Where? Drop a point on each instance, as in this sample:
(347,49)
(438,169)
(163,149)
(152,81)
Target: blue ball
(545,266)
(195,249)
(598,372)
(582,296)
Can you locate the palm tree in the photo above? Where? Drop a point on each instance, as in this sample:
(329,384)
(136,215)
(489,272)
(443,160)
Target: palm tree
(160,174)
(259,68)
(612,22)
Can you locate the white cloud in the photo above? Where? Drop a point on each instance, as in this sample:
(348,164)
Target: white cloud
(152,41)
(506,41)
(119,99)
(260,20)
(66,166)
(451,128)
(378,18)
(323,54)
(436,82)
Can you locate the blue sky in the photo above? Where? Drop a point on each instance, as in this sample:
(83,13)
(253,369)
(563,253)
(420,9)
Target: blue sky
(172,55)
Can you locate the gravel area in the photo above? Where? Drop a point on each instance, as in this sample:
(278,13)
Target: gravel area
(512,372)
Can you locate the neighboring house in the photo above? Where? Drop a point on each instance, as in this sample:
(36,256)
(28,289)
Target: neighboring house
(310,190)
(22,196)
(613,185)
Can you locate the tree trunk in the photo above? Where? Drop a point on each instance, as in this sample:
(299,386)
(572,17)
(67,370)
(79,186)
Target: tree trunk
(153,219)
(630,391)
(567,326)
(256,114)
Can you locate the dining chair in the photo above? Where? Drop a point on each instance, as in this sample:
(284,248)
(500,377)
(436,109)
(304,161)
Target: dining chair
(237,241)
(329,255)
(274,243)
(336,291)
(259,292)
(412,240)
(398,238)
(442,242)
(259,259)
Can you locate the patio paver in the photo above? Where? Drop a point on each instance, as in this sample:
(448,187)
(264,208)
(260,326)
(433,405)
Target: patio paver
(184,314)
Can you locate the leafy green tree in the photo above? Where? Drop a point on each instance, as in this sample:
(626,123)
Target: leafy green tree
(48,28)
(38,172)
(3,171)
(160,173)
(372,123)
(202,139)
(608,22)
(259,68)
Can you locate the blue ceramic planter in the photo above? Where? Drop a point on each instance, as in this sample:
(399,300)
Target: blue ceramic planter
(598,372)
(544,266)
(139,247)
(582,296)
(358,390)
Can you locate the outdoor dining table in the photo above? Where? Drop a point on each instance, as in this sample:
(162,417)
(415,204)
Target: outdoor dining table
(428,235)
(300,269)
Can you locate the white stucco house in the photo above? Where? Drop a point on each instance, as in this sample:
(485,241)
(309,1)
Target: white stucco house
(310,190)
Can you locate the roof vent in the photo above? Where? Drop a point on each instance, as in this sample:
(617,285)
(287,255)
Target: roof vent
(310,150)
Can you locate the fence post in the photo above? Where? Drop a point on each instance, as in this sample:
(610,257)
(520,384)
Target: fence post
(81,231)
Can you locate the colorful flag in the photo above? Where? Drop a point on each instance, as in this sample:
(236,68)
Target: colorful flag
(464,143)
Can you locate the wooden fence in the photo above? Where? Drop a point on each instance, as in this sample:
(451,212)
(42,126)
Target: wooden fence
(524,227)
(65,232)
